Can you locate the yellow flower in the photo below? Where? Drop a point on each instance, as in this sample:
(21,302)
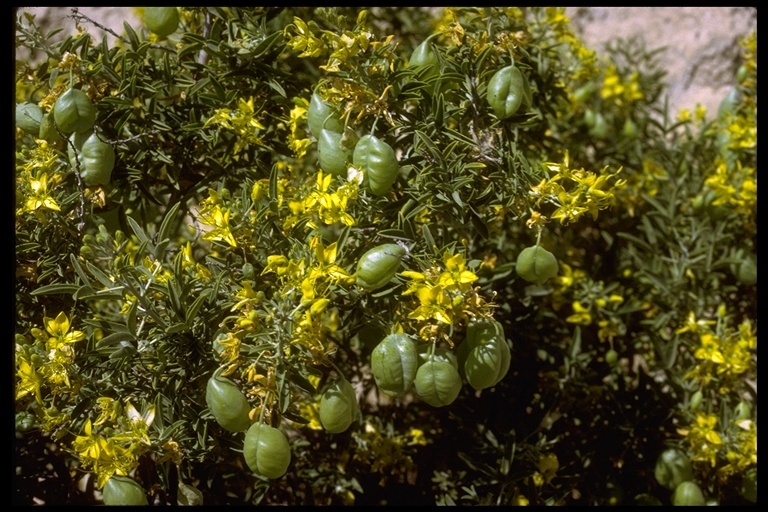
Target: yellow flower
(417,437)
(435,303)
(455,276)
(218,219)
(29,379)
(39,195)
(710,349)
(694,326)
(580,316)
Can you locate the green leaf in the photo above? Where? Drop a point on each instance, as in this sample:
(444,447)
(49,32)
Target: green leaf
(137,229)
(192,311)
(53,289)
(165,226)
(115,339)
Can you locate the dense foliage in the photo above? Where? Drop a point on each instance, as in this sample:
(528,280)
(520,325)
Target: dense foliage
(224,216)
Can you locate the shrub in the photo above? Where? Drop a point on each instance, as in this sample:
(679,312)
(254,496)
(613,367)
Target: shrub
(219,245)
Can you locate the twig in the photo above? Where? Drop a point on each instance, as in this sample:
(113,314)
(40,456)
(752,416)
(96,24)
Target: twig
(78,17)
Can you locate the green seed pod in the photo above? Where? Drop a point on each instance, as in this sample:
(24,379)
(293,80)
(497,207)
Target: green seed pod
(332,156)
(743,411)
(28,117)
(378,162)
(438,383)
(97,158)
(338,407)
(266,451)
(600,128)
(322,115)
(162,21)
(673,467)
(227,403)
(629,129)
(584,92)
(189,495)
(484,356)
(536,264)
(122,490)
(74,112)
(696,399)
(424,55)
(506,91)
(589,118)
(440,354)
(729,104)
(746,272)
(378,266)
(688,494)
(394,362)
(742,73)
(487,363)
(748,488)
(48,130)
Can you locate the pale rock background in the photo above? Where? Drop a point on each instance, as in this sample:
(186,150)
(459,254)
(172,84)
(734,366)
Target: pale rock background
(702,43)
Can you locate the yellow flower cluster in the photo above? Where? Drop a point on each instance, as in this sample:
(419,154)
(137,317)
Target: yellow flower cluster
(48,362)
(341,46)
(724,354)
(321,205)
(115,448)
(212,213)
(575,192)
(38,178)
(444,294)
(622,93)
(241,120)
(586,67)
(385,453)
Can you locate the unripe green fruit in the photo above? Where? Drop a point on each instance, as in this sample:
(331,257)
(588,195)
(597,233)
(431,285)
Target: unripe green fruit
(746,272)
(378,162)
(696,399)
(487,364)
(266,451)
(74,112)
(506,91)
(394,362)
(536,264)
(688,494)
(322,115)
(589,118)
(162,21)
(48,130)
(97,158)
(189,495)
(629,129)
(600,128)
(742,73)
(584,92)
(729,103)
(227,403)
(484,356)
(332,156)
(438,383)
(28,117)
(338,407)
(673,467)
(122,490)
(378,266)
(440,354)
(748,488)
(611,357)
(424,55)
